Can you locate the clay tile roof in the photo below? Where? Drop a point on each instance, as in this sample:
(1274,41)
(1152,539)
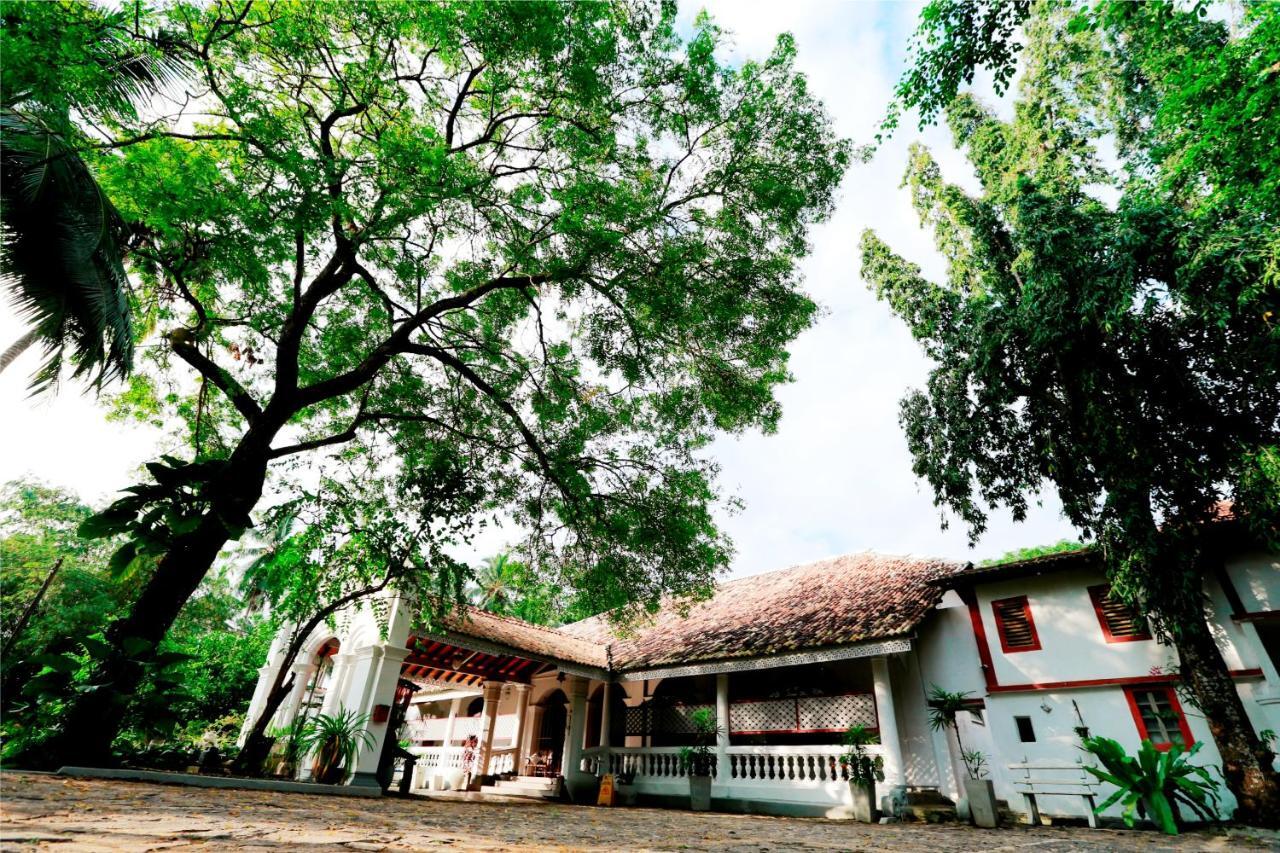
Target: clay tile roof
(521,636)
(829,603)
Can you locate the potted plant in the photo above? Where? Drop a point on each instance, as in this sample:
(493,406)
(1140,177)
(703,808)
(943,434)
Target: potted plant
(979,793)
(699,759)
(1155,783)
(862,770)
(335,739)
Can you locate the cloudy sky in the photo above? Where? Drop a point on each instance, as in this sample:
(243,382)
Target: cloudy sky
(836,477)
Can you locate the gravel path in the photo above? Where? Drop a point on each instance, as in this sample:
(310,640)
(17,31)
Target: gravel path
(42,812)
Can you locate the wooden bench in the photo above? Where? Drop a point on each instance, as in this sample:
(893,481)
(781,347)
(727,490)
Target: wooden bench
(1070,780)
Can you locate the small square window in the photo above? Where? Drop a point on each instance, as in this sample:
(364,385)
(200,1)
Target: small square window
(1026,731)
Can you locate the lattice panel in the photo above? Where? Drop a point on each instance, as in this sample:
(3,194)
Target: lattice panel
(808,713)
(773,715)
(837,712)
(659,719)
(636,721)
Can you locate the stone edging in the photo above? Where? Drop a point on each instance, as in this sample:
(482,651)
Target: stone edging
(196,781)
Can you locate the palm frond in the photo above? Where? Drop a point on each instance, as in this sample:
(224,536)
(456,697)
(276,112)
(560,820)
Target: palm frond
(61,251)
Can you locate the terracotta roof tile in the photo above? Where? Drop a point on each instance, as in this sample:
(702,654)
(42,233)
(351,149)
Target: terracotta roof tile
(832,602)
(519,635)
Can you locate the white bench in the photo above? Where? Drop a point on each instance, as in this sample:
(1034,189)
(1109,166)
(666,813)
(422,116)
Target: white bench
(1068,780)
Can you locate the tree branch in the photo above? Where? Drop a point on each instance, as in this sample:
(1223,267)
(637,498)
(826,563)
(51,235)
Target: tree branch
(222,379)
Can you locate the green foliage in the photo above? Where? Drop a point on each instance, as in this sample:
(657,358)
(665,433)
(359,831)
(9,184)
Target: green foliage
(944,705)
(956,38)
(1062,546)
(336,738)
(64,240)
(1118,351)
(861,767)
(699,759)
(511,587)
(1154,783)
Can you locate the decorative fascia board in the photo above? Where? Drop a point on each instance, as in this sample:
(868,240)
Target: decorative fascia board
(859,650)
(491,648)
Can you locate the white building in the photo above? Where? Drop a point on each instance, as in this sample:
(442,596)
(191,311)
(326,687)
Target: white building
(789,660)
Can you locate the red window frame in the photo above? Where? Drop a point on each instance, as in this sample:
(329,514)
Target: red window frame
(1031,623)
(1098,594)
(1130,694)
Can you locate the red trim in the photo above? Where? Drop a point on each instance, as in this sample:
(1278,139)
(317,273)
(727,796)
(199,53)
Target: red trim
(1098,594)
(1108,682)
(1174,705)
(1031,623)
(970,599)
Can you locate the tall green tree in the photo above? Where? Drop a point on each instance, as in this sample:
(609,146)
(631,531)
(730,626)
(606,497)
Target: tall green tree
(1124,350)
(550,237)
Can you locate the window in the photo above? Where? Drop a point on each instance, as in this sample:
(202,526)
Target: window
(1013,621)
(1159,717)
(1026,731)
(1120,622)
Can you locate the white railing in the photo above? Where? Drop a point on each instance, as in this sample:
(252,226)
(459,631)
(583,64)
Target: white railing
(504,728)
(443,760)
(789,766)
(648,762)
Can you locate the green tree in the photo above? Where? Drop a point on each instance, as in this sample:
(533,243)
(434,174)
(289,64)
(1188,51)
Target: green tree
(1125,352)
(217,649)
(1062,546)
(68,67)
(550,237)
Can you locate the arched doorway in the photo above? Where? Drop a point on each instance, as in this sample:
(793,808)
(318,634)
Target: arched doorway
(555,713)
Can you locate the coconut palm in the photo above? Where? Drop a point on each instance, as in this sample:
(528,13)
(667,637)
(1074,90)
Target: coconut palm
(493,586)
(63,242)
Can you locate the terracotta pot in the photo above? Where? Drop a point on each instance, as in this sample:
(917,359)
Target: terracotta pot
(328,769)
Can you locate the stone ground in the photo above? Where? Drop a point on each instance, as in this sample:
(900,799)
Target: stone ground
(44,812)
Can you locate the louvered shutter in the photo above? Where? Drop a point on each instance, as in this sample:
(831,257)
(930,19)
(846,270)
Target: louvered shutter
(1119,620)
(1013,619)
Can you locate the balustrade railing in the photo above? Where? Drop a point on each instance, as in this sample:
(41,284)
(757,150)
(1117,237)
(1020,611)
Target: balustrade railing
(788,765)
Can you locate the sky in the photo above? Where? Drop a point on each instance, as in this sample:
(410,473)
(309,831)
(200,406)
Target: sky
(836,476)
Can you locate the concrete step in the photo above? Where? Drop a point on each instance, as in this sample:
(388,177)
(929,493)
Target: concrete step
(545,781)
(536,789)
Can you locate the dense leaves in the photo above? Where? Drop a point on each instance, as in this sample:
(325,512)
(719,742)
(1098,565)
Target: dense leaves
(1109,326)
(550,241)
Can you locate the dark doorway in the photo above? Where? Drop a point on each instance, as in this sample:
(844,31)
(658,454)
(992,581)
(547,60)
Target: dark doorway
(551,732)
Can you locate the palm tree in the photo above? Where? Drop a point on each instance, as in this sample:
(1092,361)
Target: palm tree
(62,242)
(492,588)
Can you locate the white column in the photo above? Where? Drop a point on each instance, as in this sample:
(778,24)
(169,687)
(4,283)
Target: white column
(574,727)
(453,719)
(375,674)
(266,675)
(488,721)
(604,717)
(888,721)
(289,707)
(335,699)
(722,723)
(522,714)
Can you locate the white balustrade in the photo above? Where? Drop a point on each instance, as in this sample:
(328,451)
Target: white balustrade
(649,762)
(788,766)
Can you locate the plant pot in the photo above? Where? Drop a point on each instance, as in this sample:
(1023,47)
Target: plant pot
(626,795)
(981,795)
(863,795)
(328,769)
(700,793)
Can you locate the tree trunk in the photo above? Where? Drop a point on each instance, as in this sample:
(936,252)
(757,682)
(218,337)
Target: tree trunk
(91,723)
(1246,761)
(17,348)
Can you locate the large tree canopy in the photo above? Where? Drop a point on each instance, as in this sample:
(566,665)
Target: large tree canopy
(550,240)
(1110,327)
